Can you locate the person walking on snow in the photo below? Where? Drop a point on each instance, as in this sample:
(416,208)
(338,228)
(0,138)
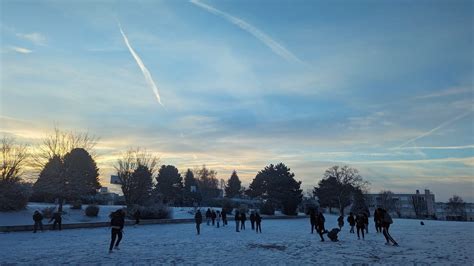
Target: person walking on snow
(198,220)
(208,216)
(360,223)
(366,219)
(136,215)
(57,220)
(351,221)
(224,218)
(312,220)
(213,217)
(320,225)
(38,219)
(377,222)
(340,222)
(117,222)
(237,221)
(243,218)
(252,220)
(258,222)
(218,218)
(386,221)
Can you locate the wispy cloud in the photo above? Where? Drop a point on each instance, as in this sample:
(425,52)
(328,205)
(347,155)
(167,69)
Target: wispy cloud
(142,66)
(260,35)
(446,92)
(444,124)
(20,50)
(34,37)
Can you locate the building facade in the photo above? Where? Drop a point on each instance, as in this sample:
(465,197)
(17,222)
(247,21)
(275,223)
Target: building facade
(417,205)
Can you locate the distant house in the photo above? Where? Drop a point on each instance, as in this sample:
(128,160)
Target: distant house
(114,179)
(415,205)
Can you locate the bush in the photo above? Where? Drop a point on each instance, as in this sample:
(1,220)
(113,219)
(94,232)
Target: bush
(76,205)
(48,212)
(158,211)
(92,210)
(290,207)
(267,208)
(13,196)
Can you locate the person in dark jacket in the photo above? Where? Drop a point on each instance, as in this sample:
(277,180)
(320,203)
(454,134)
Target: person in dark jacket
(224,218)
(386,221)
(320,220)
(38,219)
(237,221)
(57,220)
(340,222)
(198,220)
(312,220)
(360,224)
(333,234)
(377,222)
(136,215)
(117,221)
(258,222)
(351,221)
(366,222)
(243,218)
(252,220)
(213,217)
(208,216)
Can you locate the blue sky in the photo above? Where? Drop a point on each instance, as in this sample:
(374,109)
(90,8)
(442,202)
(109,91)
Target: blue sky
(383,86)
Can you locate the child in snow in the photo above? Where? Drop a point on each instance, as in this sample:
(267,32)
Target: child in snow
(117,221)
(320,220)
(198,220)
(340,222)
(351,221)
(333,234)
(208,216)
(386,221)
(252,220)
(38,219)
(243,218)
(377,222)
(312,220)
(224,218)
(57,220)
(237,221)
(213,217)
(218,218)
(258,222)
(360,223)
(136,215)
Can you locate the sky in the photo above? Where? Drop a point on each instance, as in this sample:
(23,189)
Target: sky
(383,86)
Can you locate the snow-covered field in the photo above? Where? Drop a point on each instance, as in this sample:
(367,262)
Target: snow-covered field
(282,242)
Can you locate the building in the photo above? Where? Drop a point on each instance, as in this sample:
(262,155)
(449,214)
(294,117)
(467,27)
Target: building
(443,212)
(114,179)
(404,205)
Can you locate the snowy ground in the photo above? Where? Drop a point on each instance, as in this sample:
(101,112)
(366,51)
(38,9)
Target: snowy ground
(24,217)
(282,242)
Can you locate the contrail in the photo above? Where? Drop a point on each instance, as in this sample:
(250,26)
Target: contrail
(436,128)
(261,36)
(142,66)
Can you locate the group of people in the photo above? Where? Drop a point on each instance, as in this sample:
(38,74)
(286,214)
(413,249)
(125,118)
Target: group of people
(215,218)
(382,221)
(38,219)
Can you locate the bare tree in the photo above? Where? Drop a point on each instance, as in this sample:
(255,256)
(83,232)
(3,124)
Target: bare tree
(13,159)
(457,207)
(348,180)
(59,143)
(126,166)
(419,205)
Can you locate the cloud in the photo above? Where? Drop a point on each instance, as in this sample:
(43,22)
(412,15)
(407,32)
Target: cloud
(143,68)
(446,92)
(260,35)
(34,37)
(20,50)
(438,148)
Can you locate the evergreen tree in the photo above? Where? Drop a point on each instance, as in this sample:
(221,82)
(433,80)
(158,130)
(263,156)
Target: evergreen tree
(141,183)
(208,183)
(169,183)
(81,174)
(191,189)
(277,184)
(325,191)
(51,183)
(233,187)
(359,204)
